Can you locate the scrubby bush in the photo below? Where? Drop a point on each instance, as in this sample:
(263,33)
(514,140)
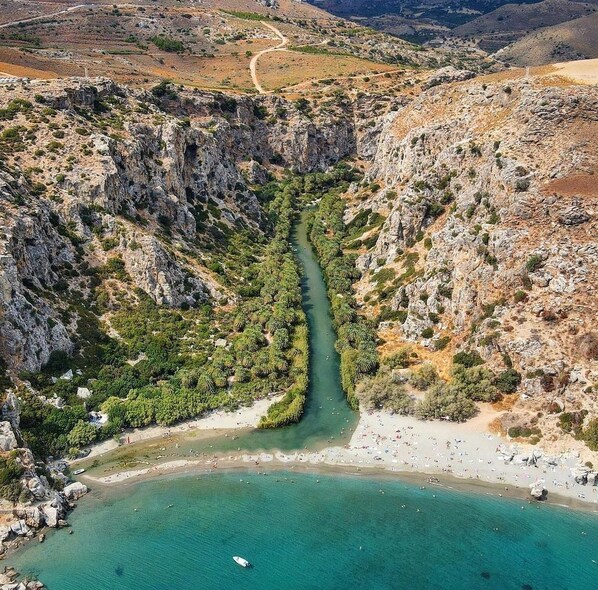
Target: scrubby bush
(523,432)
(573,422)
(400,359)
(476,383)
(10,473)
(168,44)
(508,381)
(82,434)
(468,358)
(534,263)
(590,434)
(445,402)
(384,391)
(424,376)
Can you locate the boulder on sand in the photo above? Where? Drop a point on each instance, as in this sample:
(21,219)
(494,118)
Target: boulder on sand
(51,516)
(538,490)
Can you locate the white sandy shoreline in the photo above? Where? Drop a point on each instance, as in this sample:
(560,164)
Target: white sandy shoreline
(384,442)
(245,417)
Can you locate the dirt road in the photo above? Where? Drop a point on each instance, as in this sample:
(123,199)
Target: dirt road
(253,63)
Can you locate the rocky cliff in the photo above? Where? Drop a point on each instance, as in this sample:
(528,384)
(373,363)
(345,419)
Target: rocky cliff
(485,198)
(137,186)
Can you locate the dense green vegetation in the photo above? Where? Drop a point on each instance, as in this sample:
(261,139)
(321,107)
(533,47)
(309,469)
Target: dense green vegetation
(282,300)
(172,364)
(10,473)
(356,341)
(246,15)
(590,434)
(168,44)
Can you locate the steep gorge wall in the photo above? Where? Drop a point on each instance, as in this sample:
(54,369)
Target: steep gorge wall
(489,197)
(141,178)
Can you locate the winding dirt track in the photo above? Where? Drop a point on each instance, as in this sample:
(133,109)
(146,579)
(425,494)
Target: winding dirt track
(253,63)
(43,16)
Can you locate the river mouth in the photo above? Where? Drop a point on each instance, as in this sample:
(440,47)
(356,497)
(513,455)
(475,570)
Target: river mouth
(327,418)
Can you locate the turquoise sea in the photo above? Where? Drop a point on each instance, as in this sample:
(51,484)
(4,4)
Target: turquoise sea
(304,531)
(300,534)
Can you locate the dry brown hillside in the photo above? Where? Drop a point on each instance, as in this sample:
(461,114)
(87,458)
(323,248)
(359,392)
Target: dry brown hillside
(576,39)
(510,22)
(208,45)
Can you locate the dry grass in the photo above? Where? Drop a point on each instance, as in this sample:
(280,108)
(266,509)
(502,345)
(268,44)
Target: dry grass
(506,403)
(574,185)
(287,68)
(496,427)
(12,69)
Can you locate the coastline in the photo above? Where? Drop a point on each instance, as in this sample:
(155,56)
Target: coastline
(217,420)
(459,455)
(275,466)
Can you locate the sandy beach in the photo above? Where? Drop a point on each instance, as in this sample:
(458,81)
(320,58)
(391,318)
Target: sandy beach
(245,417)
(390,444)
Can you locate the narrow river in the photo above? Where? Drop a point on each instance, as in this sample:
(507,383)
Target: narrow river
(327,418)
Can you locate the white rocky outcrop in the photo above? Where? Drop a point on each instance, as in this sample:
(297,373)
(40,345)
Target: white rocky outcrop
(75,490)
(8,440)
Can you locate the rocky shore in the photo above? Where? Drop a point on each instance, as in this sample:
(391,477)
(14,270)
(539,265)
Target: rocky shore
(28,520)
(9,581)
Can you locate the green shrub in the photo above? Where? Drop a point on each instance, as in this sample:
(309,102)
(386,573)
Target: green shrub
(424,376)
(10,474)
(82,434)
(402,358)
(523,432)
(508,381)
(167,44)
(572,422)
(476,383)
(520,296)
(534,263)
(384,391)
(470,358)
(590,434)
(442,342)
(442,401)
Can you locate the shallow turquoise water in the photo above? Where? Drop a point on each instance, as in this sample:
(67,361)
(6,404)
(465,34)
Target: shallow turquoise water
(339,533)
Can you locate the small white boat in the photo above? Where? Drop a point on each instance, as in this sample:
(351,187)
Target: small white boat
(78,471)
(241,561)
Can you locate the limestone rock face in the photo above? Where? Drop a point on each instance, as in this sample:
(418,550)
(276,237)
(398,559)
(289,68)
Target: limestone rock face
(8,440)
(140,205)
(75,490)
(155,271)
